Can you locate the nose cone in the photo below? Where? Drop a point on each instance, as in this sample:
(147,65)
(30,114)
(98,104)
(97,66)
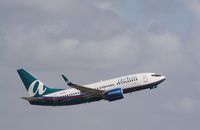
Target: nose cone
(157,79)
(163,78)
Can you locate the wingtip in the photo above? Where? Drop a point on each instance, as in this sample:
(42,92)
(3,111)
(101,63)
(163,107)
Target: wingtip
(19,69)
(67,80)
(63,76)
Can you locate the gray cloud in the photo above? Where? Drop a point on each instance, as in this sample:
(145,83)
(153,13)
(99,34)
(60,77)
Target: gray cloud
(157,8)
(193,5)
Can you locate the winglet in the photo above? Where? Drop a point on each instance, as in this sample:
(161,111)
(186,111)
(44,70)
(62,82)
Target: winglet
(67,80)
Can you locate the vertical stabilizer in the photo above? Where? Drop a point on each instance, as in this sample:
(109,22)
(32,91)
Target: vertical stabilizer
(34,86)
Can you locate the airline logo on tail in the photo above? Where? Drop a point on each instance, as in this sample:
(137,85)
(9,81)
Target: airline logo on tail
(36,87)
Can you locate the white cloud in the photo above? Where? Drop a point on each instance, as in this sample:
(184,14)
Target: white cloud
(54,28)
(65,46)
(115,48)
(105,5)
(163,48)
(109,5)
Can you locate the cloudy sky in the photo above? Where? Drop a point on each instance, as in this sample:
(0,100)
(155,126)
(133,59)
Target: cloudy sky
(93,40)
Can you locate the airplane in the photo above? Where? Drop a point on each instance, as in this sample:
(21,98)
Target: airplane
(109,90)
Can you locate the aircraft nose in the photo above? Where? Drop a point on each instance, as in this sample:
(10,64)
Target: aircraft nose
(158,78)
(163,78)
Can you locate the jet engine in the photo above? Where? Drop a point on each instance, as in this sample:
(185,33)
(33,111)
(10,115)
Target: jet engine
(114,94)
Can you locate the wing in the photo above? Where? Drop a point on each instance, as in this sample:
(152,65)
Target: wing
(87,92)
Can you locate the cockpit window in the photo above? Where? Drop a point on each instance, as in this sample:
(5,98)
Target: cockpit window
(156,75)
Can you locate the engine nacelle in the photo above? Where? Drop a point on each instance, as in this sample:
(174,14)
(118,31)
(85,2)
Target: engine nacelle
(114,94)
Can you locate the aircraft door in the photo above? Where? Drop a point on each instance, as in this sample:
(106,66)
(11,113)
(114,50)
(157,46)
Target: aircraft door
(145,79)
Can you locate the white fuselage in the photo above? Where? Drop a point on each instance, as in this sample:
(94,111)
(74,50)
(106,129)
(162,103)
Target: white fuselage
(125,83)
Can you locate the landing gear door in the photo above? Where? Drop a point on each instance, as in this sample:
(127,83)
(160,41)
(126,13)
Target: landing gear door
(145,79)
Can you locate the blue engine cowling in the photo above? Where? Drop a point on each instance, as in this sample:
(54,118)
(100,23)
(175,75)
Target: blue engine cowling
(114,94)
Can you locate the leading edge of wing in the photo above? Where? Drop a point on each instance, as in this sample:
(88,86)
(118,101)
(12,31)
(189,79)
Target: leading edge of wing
(82,88)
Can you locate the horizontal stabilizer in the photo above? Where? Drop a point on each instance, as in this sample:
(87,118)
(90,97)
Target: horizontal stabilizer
(32,98)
